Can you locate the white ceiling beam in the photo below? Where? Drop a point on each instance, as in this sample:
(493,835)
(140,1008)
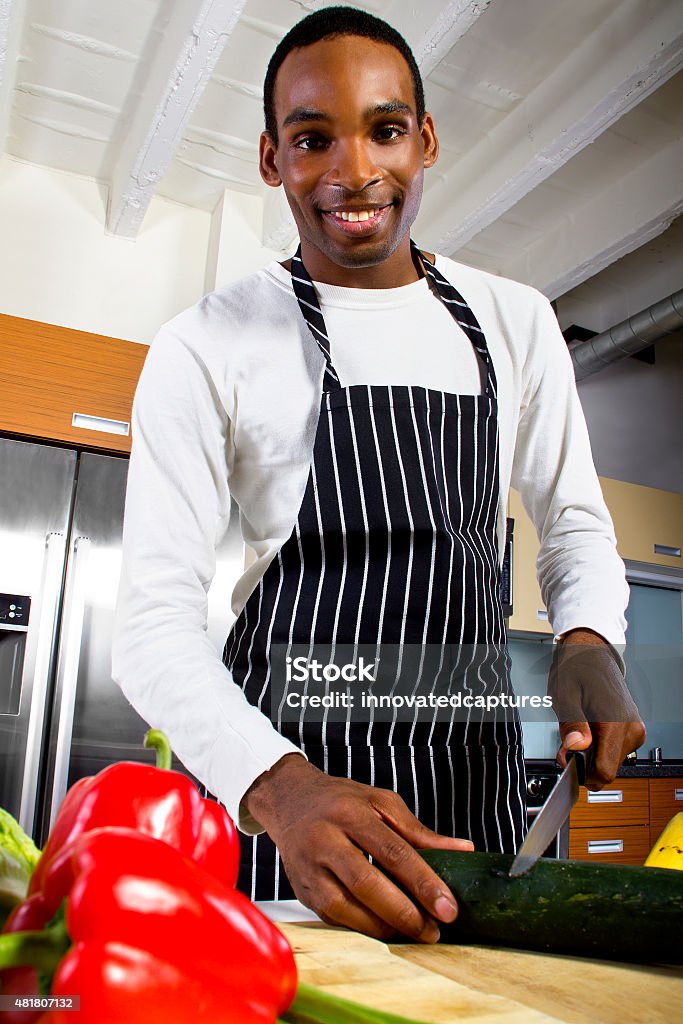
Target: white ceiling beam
(11,25)
(455,20)
(193,41)
(614,222)
(451,21)
(628,57)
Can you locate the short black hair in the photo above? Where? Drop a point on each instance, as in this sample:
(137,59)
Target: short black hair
(337,21)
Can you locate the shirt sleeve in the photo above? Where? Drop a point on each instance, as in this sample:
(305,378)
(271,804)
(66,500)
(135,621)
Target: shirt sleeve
(177,507)
(581,576)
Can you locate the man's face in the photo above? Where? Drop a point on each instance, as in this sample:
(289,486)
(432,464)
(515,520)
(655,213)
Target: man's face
(350,154)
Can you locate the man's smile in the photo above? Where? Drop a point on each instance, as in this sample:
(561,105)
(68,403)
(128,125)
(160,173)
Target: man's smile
(355,220)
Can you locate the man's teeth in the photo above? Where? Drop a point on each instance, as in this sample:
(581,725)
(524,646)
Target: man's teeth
(356,214)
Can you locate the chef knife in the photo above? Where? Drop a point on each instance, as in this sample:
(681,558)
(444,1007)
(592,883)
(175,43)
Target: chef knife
(552,815)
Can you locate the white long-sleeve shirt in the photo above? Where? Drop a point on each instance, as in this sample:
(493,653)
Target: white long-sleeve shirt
(227,405)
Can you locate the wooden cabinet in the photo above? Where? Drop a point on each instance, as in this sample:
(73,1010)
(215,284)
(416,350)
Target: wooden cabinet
(620,823)
(616,844)
(623,802)
(666,799)
(648,522)
(529,612)
(54,380)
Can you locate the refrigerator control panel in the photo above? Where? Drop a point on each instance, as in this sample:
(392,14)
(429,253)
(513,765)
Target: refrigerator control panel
(14,609)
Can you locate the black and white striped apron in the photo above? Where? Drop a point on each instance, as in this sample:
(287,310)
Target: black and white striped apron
(395,542)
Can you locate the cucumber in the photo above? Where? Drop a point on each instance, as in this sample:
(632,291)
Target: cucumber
(609,911)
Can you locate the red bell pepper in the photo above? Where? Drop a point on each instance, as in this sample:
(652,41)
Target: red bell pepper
(158,802)
(155,938)
(31,915)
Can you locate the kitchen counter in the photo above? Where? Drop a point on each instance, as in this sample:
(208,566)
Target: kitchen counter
(447,984)
(665,769)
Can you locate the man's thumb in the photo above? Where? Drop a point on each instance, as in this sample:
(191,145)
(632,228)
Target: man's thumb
(574,736)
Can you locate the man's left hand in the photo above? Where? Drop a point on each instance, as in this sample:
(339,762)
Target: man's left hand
(593,705)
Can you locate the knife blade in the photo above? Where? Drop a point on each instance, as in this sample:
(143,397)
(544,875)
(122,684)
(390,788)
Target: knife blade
(552,815)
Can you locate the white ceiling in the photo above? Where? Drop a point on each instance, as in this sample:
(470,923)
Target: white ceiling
(561,123)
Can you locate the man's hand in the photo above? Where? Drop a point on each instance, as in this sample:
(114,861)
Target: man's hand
(593,705)
(322,826)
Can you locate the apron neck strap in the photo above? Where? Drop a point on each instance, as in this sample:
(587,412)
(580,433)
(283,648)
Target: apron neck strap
(452,299)
(309,305)
(461,313)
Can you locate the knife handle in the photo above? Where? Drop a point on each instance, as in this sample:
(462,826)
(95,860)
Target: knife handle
(583,758)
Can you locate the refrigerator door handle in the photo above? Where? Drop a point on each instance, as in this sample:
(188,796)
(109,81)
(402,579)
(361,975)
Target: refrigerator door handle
(46,645)
(67,671)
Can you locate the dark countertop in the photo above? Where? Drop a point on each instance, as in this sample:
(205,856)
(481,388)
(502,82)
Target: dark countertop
(643,768)
(670,768)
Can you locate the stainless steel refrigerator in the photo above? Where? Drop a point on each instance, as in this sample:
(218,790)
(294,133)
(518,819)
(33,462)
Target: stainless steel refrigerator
(61,715)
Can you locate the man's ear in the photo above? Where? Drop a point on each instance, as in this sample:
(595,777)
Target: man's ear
(267,157)
(430,141)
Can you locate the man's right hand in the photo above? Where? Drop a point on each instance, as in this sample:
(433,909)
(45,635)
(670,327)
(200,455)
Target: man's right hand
(322,826)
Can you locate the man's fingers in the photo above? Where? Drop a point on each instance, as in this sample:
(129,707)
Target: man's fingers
(336,905)
(610,741)
(328,835)
(391,840)
(613,741)
(371,888)
(635,737)
(395,854)
(587,685)
(400,818)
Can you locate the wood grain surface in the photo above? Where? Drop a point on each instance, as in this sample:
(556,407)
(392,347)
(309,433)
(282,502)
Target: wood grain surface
(636,840)
(447,984)
(48,373)
(632,809)
(663,804)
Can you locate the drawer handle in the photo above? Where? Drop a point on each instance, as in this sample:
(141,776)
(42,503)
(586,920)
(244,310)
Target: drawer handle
(678,794)
(85,422)
(606,796)
(605,845)
(665,549)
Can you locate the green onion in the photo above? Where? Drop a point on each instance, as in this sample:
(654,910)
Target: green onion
(313,1006)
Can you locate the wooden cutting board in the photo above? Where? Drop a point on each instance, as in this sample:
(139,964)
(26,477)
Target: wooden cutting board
(454,984)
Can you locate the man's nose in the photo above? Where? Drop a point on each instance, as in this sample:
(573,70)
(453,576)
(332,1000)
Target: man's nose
(354,168)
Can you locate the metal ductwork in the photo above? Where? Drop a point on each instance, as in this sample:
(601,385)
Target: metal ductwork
(629,336)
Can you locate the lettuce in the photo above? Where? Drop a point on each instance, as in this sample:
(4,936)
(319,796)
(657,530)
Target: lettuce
(18,857)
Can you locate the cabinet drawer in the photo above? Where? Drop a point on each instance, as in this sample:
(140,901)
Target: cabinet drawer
(622,802)
(666,799)
(628,844)
(648,522)
(66,385)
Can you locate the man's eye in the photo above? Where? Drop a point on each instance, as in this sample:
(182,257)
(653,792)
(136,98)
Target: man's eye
(389,132)
(310,142)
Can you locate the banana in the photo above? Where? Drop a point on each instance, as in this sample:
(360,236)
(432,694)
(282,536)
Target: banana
(668,850)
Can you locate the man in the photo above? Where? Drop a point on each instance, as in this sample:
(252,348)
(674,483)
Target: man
(366,405)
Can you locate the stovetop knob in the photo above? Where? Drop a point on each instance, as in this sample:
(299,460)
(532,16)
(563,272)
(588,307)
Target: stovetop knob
(534,786)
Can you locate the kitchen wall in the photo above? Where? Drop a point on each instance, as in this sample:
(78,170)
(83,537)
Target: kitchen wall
(58,265)
(235,247)
(633,408)
(635,418)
